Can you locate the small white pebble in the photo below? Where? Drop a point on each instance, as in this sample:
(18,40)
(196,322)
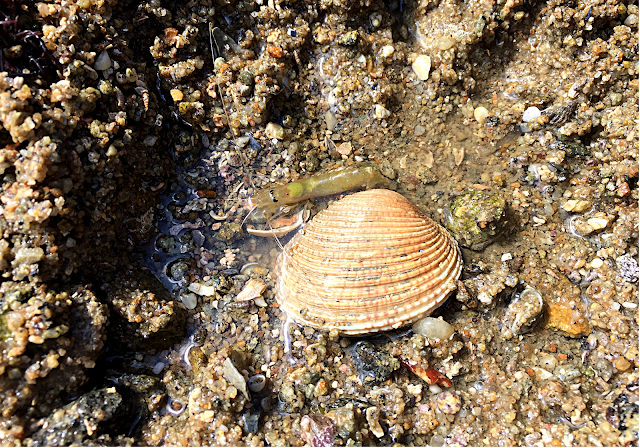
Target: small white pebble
(506,257)
(615,306)
(381,112)
(158,368)
(387,51)
(480,113)
(422,66)
(112,151)
(418,130)
(596,263)
(630,305)
(359,159)
(190,300)
(331,120)
(103,62)
(597,223)
(259,301)
(435,389)
(531,114)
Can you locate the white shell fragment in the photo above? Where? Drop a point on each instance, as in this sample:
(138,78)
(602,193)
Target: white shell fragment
(202,290)
(422,66)
(531,114)
(103,62)
(370,262)
(232,375)
(252,289)
(189,299)
(430,327)
(381,112)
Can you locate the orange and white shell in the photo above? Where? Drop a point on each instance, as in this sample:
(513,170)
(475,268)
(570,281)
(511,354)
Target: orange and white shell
(370,262)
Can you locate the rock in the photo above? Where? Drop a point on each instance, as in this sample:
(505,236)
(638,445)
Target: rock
(274,130)
(103,62)
(480,113)
(317,430)
(565,310)
(422,66)
(522,313)
(448,403)
(531,114)
(430,327)
(628,268)
(374,366)
(81,420)
(381,112)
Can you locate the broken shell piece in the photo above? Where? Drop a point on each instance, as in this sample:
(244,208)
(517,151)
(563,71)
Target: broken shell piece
(252,289)
(277,230)
(232,375)
(458,155)
(257,382)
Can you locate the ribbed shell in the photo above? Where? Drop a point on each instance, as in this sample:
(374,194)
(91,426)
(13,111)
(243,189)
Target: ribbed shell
(369,262)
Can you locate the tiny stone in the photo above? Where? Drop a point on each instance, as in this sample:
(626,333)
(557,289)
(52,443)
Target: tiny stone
(621,363)
(576,205)
(480,114)
(331,120)
(387,51)
(597,223)
(596,263)
(418,130)
(103,62)
(422,66)
(274,130)
(381,112)
(176,94)
(158,368)
(531,114)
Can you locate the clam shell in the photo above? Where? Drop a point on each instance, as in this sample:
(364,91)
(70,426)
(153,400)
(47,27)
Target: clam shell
(369,262)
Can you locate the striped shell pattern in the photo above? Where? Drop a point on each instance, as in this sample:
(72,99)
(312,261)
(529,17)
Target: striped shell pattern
(370,262)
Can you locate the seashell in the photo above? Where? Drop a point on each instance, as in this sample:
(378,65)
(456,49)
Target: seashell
(369,262)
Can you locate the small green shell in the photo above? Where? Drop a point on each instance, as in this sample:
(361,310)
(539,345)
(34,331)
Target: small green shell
(477,218)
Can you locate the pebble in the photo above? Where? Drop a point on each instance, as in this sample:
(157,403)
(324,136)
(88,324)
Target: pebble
(232,375)
(274,130)
(448,403)
(576,205)
(597,223)
(158,368)
(103,62)
(331,120)
(190,300)
(176,94)
(387,51)
(531,114)
(480,113)
(596,263)
(621,363)
(418,130)
(431,327)
(422,66)
(381,112)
